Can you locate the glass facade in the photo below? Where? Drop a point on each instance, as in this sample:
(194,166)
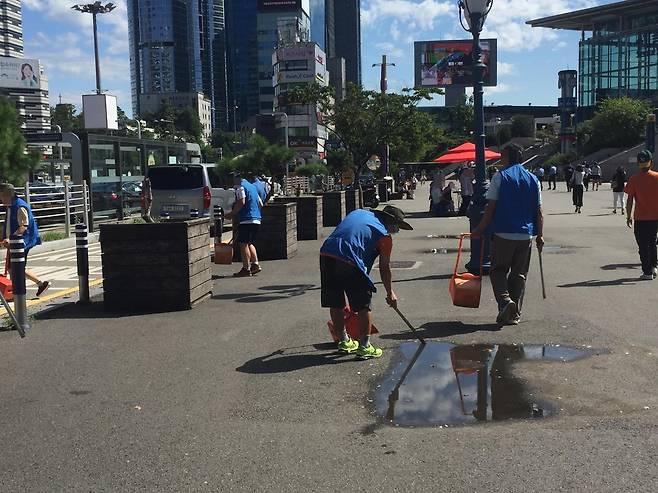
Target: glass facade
(347,37)
(620,59)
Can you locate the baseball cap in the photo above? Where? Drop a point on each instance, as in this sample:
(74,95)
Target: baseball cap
(397,215)
(644,159)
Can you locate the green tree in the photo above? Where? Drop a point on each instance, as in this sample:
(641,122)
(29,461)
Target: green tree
(260,157)
(312,169)
(460,119)
(229,142)
(364,121)
(15,164)
(422,136)
(187,121)
(618,122)
(523,126)
(339,160)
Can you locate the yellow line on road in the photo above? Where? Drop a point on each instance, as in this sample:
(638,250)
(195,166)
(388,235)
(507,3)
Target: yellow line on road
(58,294)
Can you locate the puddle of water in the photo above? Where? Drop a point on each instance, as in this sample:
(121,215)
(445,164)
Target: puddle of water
(445,384)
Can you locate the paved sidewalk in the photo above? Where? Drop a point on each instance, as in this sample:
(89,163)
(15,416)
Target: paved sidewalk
(244,393)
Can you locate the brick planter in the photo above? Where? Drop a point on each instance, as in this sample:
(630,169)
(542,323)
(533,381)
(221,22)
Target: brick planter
(333,208)
(351,201)
(277,235)
(309,216)
(163,266)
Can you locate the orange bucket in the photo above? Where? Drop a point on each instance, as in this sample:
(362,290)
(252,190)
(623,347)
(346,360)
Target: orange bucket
(465,288)
(351,325)
(224,252)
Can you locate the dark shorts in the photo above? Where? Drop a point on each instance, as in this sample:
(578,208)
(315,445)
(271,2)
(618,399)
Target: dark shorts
(340,279)
(247,232)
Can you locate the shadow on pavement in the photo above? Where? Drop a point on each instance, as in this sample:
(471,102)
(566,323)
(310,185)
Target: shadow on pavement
(438,277)
(95,309)
(620,266)
(281,361)
(442,329)
(271,293)
(599,284)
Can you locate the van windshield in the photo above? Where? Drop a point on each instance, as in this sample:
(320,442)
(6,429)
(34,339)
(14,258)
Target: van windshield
(176,177)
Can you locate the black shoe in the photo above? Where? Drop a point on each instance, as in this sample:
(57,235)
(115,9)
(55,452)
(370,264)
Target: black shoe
(42,287)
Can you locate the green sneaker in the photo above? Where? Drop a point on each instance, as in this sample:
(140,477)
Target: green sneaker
(348,346)
(367,352)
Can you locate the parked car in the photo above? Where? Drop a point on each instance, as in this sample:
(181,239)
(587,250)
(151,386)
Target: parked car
(177,189)
(106,196)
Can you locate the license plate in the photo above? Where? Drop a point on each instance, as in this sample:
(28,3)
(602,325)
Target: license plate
(174,208)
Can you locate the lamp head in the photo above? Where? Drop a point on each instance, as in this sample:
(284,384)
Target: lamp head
(470,8)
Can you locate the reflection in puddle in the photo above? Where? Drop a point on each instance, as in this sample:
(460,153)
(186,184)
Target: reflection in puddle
(442,383)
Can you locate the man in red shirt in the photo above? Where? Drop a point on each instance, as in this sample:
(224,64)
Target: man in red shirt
(642,191)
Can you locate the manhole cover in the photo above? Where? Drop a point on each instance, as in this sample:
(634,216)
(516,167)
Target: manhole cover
(441,383)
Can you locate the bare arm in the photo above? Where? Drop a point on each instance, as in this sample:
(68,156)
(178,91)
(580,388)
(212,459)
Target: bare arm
(540,229)
(237,207)
(629,211)
(387,280)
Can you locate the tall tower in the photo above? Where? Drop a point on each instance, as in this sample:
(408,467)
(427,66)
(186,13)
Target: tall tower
(25,83)
(346,33)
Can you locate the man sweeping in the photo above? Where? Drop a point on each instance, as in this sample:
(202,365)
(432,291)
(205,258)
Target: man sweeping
(346,259)
(514,208)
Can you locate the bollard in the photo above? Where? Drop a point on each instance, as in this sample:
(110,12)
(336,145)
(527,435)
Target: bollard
(82,253)
(17,252)
(67,209)
(194,213)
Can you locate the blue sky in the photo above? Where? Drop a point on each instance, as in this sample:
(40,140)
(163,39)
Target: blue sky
(528,59)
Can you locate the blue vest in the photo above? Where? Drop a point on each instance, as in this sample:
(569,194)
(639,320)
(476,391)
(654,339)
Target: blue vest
(355,240)
(251,210)
(31,236)
(518,202)
(261,188)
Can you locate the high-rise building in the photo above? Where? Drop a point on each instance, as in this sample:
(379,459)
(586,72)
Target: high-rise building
(343,35)
(320,22)
(178,46)
(242,60)
(23,80)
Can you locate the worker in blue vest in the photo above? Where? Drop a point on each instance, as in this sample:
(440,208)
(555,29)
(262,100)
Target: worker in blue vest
(263,187)
(346,258)
(515,214)
(246,213)
(19,221)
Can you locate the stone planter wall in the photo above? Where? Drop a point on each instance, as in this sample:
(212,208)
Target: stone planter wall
(277,235)
(351,200)
(333,208)
(163,266)
(309,216)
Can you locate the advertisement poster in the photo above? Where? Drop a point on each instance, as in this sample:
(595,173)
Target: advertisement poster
(20,73)
(450,63)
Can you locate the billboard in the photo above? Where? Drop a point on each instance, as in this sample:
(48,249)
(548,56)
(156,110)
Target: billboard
(20,73)
(450,63)
(100,111)
(283,5)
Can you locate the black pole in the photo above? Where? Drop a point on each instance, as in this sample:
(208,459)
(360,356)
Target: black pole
(479,202)
(82,254)
(96,57)
(17,256)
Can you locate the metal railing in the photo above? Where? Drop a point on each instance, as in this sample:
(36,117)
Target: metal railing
(56,207)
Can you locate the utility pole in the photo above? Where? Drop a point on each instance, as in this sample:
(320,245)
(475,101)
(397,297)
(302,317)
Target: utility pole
(383,85)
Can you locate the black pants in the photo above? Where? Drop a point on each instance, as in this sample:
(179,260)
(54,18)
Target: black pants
(466,200)
(578,195)
(552,179)
(645,235)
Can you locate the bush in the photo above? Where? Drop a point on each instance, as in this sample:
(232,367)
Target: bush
(312,169)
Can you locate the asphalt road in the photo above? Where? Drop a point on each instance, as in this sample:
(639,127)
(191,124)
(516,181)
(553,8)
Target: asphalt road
(243,394)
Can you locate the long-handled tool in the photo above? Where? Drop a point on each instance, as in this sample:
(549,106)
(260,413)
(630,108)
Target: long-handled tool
(541,273)
(422,341)
(394,396)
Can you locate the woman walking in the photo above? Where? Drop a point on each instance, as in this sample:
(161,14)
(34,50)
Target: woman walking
(618,182)
(577,185)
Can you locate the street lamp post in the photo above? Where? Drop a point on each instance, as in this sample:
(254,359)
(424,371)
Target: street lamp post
(383,85)
(94,9)
(58,128)
(475,13)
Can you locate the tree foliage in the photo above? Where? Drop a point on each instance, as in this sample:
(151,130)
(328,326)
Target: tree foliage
(312,169)
(176,124)
(364,121)
(260,157)
(618,122)
(523,126)
(15,164)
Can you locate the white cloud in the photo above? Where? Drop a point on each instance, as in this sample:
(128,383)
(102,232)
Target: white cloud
(390,49)
(505,68)
(413,13)
(500,88)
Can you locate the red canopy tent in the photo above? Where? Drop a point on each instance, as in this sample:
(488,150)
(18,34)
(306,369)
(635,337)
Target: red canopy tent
(464,152)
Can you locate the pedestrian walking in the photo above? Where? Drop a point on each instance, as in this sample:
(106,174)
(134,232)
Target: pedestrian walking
(552,177)
(346,259)
(539,173)
(515,213)
(423,178)
(595,177)
(577,187)
(568,174)
(642,191)
(466,177)
(618,183)
(586,178)
(247,213)
(19,221)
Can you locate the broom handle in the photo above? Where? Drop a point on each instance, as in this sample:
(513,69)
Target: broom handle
(541,274)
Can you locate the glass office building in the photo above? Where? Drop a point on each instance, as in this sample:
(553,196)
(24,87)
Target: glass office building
(618,50)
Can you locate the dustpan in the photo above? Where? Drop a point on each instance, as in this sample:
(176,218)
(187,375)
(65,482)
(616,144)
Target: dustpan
(465,288)
(5,283)
(351,324)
